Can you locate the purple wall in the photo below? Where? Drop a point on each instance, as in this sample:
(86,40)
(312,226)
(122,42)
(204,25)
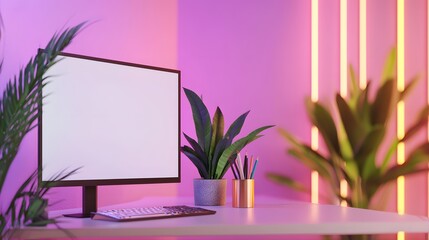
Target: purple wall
(143,32)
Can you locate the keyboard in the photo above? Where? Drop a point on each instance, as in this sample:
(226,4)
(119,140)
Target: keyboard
(147,213)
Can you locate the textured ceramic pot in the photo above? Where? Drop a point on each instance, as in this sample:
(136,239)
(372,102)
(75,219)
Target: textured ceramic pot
(209,192)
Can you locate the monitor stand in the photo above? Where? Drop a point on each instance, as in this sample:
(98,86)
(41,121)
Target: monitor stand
(89,202)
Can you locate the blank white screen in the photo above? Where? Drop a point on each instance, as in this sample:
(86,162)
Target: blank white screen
(115,121)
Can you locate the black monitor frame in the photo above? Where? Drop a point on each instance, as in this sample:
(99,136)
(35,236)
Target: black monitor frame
(89,187)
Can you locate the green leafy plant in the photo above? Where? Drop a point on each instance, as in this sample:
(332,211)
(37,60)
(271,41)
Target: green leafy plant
(354,142)
(213,150)
(19,110)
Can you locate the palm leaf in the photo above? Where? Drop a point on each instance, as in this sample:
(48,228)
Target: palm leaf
(21,98)
(19,110)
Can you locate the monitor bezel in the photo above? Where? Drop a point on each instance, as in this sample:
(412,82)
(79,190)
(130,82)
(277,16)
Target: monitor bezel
(99,182)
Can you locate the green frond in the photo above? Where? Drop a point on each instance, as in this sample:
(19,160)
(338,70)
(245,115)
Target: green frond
(19,111)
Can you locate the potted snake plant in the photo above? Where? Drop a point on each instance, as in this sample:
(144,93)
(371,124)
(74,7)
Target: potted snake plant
(355,138)
(213,150)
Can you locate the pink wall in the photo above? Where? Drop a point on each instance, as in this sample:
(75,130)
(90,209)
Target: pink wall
(240,55)
(416,64)
(249,55)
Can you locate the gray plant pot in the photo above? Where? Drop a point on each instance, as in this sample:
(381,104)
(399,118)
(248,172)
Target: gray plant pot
(209,192)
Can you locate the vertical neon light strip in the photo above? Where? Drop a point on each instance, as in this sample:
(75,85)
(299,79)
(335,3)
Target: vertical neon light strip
(401,107)
(362,44)
(427,85)
(314,90)
(343,74)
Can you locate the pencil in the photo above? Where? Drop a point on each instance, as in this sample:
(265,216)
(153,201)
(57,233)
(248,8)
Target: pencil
(245,167)
(254,169)
(231,163)
(240,167)
(249,173)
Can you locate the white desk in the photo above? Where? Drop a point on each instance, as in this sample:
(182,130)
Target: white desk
(269,217)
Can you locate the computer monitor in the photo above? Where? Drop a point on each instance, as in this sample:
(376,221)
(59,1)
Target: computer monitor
(118,122)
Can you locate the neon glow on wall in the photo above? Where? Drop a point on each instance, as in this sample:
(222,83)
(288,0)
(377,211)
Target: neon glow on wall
(314,90)
(362,44)
(400,108)
(343,75)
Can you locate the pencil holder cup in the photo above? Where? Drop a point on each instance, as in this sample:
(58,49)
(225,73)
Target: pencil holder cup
(243,193)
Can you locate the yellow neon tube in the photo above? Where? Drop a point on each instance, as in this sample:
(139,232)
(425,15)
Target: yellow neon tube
(314,89)
(343,74)
(362,44)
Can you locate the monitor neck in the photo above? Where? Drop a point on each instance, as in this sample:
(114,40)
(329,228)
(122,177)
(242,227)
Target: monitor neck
(89,202)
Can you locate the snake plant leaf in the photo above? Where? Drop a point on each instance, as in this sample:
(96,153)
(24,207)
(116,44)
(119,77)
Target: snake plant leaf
(220,148)
(201,119)
(236,147)
(420,122)
(227,139)
(365,156)
(326,125)
(289,137)
(351,173)
(383,103)
(314,155)
(235,127)
(285,180)
(363,107)
(311,161)
(354,129)
(354,90)
(407,89)
(416,162)
(198,151)
(388,156)
(389,66)
(217,130)
(190,153)
(345,146)
(369,169)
